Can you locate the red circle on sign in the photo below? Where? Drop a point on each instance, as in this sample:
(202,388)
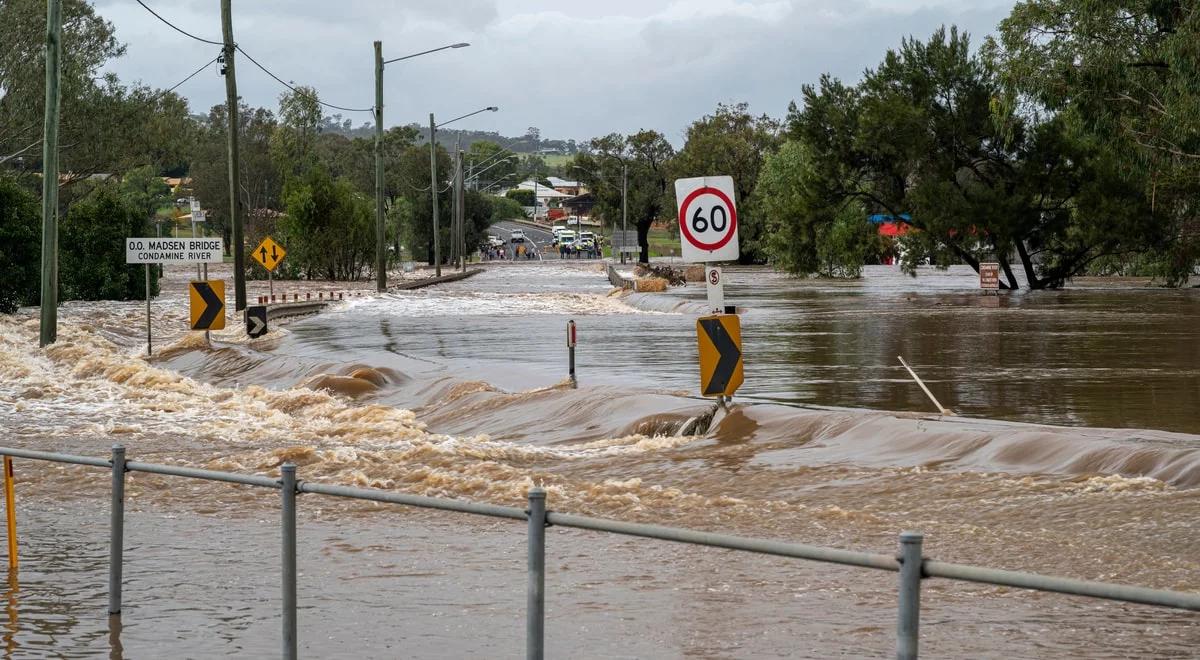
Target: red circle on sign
(687,233)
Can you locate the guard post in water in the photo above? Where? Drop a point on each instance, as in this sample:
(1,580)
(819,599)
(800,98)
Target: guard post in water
(571,352)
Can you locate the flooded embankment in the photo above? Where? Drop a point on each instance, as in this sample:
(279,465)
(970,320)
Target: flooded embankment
(1075,453)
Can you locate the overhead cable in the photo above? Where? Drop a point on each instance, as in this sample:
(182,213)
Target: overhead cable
(294,89)
(176,27)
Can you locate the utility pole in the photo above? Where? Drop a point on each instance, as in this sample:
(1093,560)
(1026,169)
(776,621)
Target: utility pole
(454,206)
(231,108)
(49,323)
(624,207)
(380,258)
(433,190)
(462,213)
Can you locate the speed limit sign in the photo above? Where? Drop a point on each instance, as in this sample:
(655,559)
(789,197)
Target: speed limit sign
(708,219)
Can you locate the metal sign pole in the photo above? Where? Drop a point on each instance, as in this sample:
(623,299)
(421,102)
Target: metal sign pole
(148,338)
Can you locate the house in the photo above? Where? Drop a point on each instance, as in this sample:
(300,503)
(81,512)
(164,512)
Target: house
(547,197)
(565,186)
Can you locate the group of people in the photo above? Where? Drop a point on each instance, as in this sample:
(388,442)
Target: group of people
(565,251)
(501,252)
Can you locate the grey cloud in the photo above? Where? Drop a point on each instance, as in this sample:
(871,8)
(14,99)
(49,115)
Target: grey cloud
(574,74)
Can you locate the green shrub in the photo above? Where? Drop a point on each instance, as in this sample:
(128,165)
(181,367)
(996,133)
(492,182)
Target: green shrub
(20,247)
(91,253)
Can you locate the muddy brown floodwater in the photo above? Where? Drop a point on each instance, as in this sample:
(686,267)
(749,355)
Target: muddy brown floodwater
(1074,453)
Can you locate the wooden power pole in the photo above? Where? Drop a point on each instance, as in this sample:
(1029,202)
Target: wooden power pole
(380,256)
(231,103)
(49,322)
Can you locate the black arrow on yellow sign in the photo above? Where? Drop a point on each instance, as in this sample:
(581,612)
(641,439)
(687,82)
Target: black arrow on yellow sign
(720,346)
(208,304)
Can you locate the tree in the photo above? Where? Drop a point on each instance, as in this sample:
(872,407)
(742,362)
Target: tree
(88,42)
(20,242)
(732,142)
(647,155)
(920,139)
(801,232)
(523,196)
(261,183)
(1128,76)
(329,227)
(104,126)
(506,208)
(144,191)
(92,248)
(293,143)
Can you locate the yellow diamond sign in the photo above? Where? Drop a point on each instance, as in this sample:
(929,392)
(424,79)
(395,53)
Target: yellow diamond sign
(269,253)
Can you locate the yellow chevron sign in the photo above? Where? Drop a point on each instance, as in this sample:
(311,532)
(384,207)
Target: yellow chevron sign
(719,339)
(208,304)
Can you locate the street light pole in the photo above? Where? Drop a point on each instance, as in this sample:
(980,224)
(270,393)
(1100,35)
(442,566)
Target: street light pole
(380,258)
(380,253)
(433,191)
(433,183)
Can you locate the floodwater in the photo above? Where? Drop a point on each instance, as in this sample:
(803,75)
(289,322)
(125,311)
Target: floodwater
(1075,452)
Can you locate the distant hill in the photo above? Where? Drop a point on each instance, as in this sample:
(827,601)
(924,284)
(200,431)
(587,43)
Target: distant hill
(530,143)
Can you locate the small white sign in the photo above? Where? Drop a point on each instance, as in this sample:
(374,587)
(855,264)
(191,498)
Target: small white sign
(174,251)
(195,205)
(198,216)
(716,289)
(708,227)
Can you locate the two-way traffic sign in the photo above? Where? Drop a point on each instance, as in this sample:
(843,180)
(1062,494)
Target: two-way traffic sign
(208,304)
(269,254)
(719,339)
(256,321)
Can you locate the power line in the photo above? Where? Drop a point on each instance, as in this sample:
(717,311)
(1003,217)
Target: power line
(193,75)
(281,82)
(177,28)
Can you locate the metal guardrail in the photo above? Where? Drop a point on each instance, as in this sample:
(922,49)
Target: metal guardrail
(909,563)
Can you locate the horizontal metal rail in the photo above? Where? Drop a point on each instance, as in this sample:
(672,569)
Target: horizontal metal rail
(389,497)
(54,458)
(1106,590)
(208,475)
(538,518)
(762,546)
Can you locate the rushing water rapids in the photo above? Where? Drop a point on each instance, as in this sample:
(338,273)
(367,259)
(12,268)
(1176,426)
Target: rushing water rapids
(1075,454)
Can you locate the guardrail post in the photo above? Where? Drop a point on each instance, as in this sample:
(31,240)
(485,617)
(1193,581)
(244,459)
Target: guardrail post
(116,542)
(10,513)
(288,500)
(909,619)
(536,604)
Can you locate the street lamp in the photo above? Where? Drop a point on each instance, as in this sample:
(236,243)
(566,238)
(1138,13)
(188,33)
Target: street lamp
(433,183)
(380,259)
(624,202)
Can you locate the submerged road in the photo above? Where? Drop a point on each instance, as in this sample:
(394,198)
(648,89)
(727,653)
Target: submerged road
(541,238)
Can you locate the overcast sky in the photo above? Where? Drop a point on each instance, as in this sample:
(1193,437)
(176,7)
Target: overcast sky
(573,69)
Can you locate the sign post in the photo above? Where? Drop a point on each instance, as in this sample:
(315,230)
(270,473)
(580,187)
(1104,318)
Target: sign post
(708,223)
(268,254)
(208,304)
(720,346)
(256,321)
(716,289)
(571,351)
(155,250)
(989,276)
(708,233)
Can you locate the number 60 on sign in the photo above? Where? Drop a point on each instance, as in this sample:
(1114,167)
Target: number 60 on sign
(708,222)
